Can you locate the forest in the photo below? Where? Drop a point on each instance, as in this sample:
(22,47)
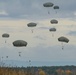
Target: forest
(43,70)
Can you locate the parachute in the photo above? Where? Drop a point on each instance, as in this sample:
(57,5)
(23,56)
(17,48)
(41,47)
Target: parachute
(63,39)
(56,8)
(52,30)
(31,24)
(5,35)
(20,43)
(47,5)
(54,21)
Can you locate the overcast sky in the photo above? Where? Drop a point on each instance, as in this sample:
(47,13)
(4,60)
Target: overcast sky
(34,8)
(42,46)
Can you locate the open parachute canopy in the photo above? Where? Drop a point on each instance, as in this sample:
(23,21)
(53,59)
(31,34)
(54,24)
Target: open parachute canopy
(52,29)
(63,39)
(48,4)
(19,43)
(5,35)
(31,24)
(53,21)
(56,7)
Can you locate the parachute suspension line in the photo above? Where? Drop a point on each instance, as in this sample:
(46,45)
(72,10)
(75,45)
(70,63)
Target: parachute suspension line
(62,45)
(56,12)
(5,41)
(32,30)
(19,54)
(52,34)
(48,12)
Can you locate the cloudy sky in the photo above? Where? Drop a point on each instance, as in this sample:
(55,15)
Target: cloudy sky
(42,46)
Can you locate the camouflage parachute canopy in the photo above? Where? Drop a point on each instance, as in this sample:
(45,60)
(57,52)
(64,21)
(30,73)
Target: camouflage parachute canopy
(5,35)
(63,39)
(31,24)
(53,21)
(48,4)
(56,7)
(19,43)
(52,29)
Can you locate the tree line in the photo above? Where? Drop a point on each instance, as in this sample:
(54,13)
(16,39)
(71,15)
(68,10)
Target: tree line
(44,70)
